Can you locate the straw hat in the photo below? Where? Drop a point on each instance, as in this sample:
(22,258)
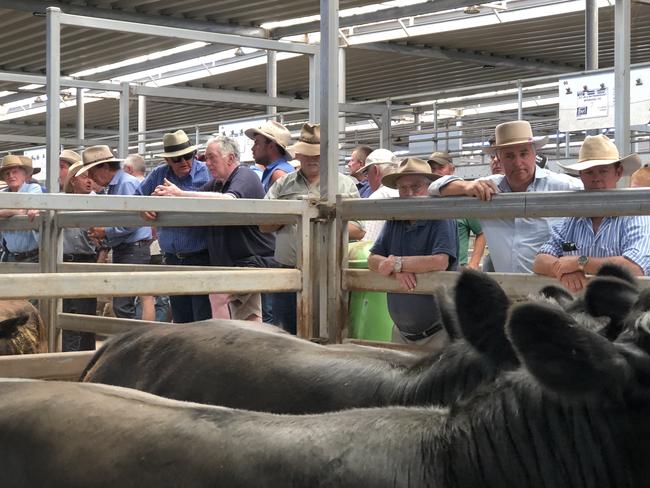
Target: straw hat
(513,134)
(69,156)
(308,142)
(96,155)
(379,156)
(176,144)
(440,158)
(273,131)
(598,151)
(73,171)
(409,167)
(14,161)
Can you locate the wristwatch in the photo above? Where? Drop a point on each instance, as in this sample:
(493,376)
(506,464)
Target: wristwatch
(582,261)
(397,267)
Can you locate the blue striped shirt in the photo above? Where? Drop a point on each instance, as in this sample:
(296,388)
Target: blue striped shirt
(179,239)
(22,240)
(124,184)
(627,236)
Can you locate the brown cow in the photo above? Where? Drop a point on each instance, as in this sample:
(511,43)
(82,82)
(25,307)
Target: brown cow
(21,328)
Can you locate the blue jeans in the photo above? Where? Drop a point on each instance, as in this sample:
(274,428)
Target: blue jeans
(72,340)
(161,306)
(189,308)
(129,253)
(284,310)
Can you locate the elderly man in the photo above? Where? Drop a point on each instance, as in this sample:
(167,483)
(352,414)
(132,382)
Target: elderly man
(270,143)
(187,246)
(66,159)
(379,163)
(130,245)
(303,183)
(355,165)
(405,248)
(581,245)
(242,245)
(441,163)
(135,165)
(513,243)
(20,245)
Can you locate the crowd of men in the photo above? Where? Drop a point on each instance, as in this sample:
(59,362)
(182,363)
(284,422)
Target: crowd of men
(568,249)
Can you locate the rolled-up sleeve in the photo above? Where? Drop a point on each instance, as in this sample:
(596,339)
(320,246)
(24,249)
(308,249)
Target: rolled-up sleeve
(558,235)
(636,245)
(437,185)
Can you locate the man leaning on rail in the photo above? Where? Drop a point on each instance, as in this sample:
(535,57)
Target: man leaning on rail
(514,242)
(581,245)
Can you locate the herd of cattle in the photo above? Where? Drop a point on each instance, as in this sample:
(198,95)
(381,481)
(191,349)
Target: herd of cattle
(552,392)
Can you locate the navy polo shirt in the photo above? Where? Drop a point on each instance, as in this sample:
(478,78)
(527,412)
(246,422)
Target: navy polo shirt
(414,314)
(239,245)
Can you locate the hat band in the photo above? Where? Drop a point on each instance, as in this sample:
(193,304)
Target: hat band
(177,147)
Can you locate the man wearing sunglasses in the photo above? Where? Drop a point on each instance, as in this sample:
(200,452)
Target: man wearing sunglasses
(186,246)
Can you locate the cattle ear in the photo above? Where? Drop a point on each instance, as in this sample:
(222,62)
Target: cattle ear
(561,356)
(482,309)
(610,297)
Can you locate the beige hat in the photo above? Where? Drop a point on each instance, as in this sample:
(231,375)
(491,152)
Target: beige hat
(440,158)
(272,130)
(410,167)
(379,156)
(73,171)
(309,140)
(69,156)
(14,161)
(513,134)
(96,155)
(176,144)
(598,151)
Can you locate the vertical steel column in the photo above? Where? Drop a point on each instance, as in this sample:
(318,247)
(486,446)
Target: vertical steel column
(435,126)
(385,129)
(197,135)
(81,117)
(622,35)
(123,145)
(567,144)
(142,124)
(342,87)
(416,119)
(271,79)
(520,101)
(314,88)
(591,34)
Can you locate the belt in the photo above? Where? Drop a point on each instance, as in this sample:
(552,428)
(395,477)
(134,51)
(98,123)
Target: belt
(423,335)
(140,243)
(186,255)
(79,258)
(24,255)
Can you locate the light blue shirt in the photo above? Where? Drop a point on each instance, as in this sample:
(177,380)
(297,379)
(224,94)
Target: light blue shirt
(22,240)
(627,236)
(514,243)
(123,183)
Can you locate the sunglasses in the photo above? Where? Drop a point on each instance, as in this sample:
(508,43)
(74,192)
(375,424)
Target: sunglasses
(183,158)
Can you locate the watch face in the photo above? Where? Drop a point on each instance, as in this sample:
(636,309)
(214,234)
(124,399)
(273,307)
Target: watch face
(582,260)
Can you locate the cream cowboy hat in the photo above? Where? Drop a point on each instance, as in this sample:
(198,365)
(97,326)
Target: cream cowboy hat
(14,161)
(96,155)
(379,156)
(176,144)
(598,151)
(308,142)
(441,158)
(69,156)
(73,171)
(410,167)
(513,134)
(273,131)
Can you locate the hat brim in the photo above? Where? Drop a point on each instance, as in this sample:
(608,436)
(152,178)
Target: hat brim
(87,167)
(173,154)
(538,143)
(630,164)
(304,148)
(364,169)
(439,161)
(390,180)
(73,171)
(28,169)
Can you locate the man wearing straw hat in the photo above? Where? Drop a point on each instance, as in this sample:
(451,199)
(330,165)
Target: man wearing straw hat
(182,246)
(405,248)
(355,166)
(300,184)
(581,245)
(513,243)
(270,142)
(67,158)
(130,245)
(20,245)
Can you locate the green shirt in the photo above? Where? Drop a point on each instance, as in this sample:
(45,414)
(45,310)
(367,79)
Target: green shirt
(464,227)
(294,186)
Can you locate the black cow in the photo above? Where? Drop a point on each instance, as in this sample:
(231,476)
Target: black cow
(220,363)
(575,417)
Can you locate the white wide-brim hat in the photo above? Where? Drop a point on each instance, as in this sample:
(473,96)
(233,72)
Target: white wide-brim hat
(598,151)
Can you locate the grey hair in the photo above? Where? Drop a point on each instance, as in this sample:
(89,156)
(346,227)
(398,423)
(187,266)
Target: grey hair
(136,162)
(227,145)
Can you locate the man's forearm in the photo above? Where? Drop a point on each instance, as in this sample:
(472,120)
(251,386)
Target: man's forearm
(544,265)
(478,251)
(10,212)
(455,188)
(594,264)
(425,264)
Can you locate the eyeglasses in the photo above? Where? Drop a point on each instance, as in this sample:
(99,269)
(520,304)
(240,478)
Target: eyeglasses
(183,158)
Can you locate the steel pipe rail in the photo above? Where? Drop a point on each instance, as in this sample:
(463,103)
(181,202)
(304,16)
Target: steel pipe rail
(77,285)
(47,366)
(504,205)
(99,325)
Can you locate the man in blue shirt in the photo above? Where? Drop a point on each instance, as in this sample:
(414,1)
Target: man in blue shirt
(405,248)
(185,246)
(130,245)
(581,245)
(270,150)
(21,246)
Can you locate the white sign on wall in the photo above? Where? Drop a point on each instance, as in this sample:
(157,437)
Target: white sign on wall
(236,131)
